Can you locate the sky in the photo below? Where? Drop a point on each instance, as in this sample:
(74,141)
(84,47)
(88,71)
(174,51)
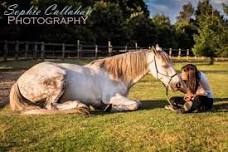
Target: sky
(172,8)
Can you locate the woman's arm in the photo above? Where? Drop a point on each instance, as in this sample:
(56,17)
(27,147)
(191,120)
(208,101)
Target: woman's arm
(204,88)
(201,92)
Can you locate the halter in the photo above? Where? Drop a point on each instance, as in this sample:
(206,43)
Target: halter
(166,75)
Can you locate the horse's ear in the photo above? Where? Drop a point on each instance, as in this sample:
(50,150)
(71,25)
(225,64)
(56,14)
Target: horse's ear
(158,48)
(154,50)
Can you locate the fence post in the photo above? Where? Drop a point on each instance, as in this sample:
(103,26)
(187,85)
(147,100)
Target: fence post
(179,53)
(78,49)
(5,50)
(96,51)
(42,51)
(170,52)
(136,46)
(63,51)
(187,54)
(109,48)
(26,49)
(125,48)
(17,50)
(35,51)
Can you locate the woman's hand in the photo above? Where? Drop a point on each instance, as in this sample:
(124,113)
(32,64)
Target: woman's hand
(201,92)
(189,97)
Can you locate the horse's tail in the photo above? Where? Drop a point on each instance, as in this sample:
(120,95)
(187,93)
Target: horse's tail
(25,107)
(48,112)
(18,102)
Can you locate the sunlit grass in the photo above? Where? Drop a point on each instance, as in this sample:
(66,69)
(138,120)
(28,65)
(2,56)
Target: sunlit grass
(150,129)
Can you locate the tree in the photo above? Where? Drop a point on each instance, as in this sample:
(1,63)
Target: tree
(204,9)
(186,13)
(142,31)
(165,32)
(185,27)
(107,23)
(129,7)
(184,19)
(224,53)
(11,32)
(212,34)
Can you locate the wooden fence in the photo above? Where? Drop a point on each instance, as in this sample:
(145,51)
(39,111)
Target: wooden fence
(15,50)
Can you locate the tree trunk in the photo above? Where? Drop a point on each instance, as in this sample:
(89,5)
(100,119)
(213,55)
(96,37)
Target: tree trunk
(211,60)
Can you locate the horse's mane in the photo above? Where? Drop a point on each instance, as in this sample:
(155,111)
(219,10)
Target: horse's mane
(125,66)
(128,66)
(164,56)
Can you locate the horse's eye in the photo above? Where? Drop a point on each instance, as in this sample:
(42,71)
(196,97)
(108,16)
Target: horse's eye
(166,66)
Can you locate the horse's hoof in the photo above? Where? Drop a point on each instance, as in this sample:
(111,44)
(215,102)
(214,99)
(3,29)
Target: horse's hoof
(51,107)
(84,111)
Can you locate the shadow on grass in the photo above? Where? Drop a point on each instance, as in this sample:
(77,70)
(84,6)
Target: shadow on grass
(146,105)
(152,104)
(220,99)
(220,105)
(216,71)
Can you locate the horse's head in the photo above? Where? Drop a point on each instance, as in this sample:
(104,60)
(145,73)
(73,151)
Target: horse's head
(161,67)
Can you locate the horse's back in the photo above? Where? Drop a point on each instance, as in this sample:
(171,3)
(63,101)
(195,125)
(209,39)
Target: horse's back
(36,83)
(82,83)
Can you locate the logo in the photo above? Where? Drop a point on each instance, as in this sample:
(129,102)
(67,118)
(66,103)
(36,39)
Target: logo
(53,14)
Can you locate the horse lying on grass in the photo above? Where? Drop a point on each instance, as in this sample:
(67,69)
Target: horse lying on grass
(51,87)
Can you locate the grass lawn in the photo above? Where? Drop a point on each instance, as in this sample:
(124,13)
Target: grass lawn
(150,129)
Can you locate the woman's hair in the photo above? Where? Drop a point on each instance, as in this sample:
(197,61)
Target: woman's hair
(193,77)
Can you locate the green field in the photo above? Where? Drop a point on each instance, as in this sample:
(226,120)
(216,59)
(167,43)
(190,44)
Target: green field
(151,128)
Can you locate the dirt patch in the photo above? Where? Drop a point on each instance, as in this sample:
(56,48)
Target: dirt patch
(7,79)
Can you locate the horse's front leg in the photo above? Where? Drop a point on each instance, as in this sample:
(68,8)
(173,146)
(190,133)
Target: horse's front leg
(72,105)
(121,103)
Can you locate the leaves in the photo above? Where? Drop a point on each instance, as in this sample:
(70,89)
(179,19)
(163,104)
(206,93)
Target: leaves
(125,22)
(212,29)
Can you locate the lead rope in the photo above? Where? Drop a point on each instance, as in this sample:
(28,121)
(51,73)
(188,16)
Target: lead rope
(166,87)
(167,94)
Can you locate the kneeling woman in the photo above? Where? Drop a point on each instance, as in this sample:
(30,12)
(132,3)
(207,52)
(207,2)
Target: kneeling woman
(198,96)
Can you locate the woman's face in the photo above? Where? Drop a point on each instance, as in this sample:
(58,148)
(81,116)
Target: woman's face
(184,75)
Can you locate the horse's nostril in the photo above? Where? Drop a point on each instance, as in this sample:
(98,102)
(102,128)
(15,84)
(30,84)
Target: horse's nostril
(178,85)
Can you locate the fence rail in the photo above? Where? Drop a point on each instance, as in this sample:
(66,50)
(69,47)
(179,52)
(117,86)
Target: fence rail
(40,50)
